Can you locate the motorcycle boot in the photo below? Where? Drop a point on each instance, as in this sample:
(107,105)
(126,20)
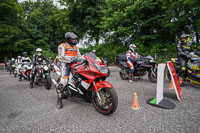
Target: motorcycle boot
(20,77)
(59,101)
(31,84)
(31,81)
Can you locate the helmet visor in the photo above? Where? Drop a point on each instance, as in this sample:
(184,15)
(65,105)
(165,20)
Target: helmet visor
(39,53)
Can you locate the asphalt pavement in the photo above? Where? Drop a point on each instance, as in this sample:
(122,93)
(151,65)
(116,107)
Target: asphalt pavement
(24,110)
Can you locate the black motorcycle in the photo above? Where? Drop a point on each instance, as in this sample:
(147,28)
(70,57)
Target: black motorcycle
(142,66)
(192,69)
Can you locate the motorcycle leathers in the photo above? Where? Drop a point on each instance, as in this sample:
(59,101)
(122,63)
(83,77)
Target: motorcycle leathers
(131,58)
(67,55)
(183,51)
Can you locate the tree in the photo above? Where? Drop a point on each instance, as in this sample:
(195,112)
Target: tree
(10,27)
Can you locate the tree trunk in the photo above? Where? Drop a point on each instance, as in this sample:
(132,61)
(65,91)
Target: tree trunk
(97,40)
(197,37)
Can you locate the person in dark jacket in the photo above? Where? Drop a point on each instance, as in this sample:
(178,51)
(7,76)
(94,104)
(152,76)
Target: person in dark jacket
(184,52)
(38,59)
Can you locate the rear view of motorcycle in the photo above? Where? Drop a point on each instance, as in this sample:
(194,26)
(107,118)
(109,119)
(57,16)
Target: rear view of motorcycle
(43,76)
(142,66)
(87,81)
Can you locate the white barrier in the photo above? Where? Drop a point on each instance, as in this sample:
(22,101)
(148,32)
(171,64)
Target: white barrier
(159,101)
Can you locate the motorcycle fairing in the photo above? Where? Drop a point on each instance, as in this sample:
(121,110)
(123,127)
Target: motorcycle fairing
(102,84)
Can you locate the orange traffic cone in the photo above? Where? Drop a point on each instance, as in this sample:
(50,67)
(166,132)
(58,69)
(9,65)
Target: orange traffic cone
(135,105)
(181,81)
(171,86)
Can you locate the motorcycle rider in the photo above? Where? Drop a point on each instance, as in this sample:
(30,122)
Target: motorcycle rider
(25,58)
(18,63)
(131,56)
(38,58)
(12,62)
(184,50)
(8,65)
(68,53)
(57,62)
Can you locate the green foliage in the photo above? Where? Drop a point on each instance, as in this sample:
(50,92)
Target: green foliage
(151,24)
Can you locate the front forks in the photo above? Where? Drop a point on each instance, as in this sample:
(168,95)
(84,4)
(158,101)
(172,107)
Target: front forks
(96,90)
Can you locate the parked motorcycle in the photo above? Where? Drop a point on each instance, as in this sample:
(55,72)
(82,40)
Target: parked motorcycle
(192,69)
(25,71)
(43,76)
(142,66)
(87,81)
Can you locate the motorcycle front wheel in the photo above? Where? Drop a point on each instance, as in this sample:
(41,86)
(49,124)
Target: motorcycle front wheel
(123,74)
(48,82)
(108,103)
(153,75)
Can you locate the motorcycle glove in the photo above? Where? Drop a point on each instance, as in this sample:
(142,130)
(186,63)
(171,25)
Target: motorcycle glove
(74,60)
(189,56)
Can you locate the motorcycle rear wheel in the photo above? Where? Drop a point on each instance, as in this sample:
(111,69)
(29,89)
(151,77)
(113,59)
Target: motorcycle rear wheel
(123,75)
(48,82)
(108,103)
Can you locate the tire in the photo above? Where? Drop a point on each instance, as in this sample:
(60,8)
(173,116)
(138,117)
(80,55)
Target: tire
(152,77)
(48,82)
(29,76)
(123,75)
(108,73)
(15,75)
(111,101)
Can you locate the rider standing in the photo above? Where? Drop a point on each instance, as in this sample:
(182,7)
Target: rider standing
(37,60)
(184,49)
(68,53)
(131,57)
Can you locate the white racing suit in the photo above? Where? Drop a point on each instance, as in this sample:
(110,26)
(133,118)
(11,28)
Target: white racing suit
(26,59)
(67,55)
(18,64)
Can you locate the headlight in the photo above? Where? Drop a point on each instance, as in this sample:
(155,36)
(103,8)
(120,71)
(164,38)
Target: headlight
(46,68)
(103,69)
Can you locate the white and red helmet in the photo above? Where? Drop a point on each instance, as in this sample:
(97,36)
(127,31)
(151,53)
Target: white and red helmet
(132,47)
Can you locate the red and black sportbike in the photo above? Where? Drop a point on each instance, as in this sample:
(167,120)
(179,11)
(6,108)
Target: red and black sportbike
(87,81)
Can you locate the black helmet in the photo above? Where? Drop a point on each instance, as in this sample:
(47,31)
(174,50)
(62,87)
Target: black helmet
(71,38)
(184,38)
(25,54)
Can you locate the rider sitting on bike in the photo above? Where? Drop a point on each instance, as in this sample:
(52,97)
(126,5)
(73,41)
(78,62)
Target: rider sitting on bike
(25,58)
(57,62)
(68,53)
(131,57)
(37,60)
(184,50)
